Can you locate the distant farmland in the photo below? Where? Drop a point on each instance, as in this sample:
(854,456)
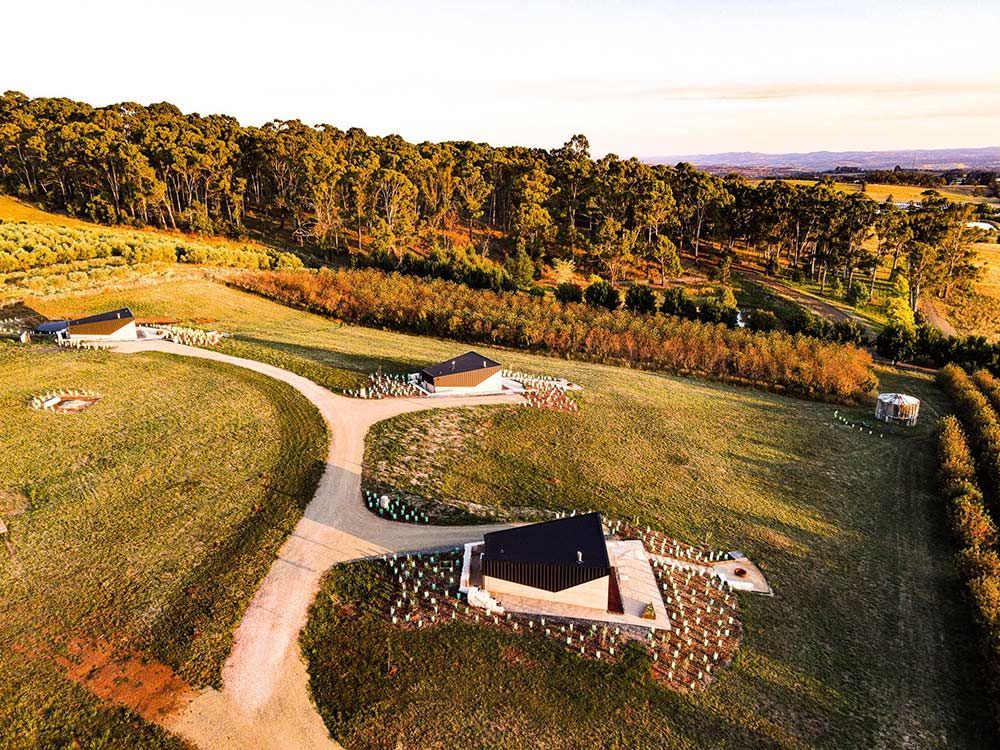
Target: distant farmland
(980,313)
(902,193)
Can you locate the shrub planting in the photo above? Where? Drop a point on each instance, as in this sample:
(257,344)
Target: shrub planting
(981,424)
(455,264)
(25,247)
(796,364)
(976,534)
(926,345)
(990,387)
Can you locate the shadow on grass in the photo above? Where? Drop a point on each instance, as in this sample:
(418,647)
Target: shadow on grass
(357,362)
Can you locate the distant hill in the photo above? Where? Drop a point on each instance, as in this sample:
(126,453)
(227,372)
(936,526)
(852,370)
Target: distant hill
(824,161)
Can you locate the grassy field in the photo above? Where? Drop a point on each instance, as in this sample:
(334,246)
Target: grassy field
(979,313)
(865,645)
(845,526)
(145,522)
(903,193)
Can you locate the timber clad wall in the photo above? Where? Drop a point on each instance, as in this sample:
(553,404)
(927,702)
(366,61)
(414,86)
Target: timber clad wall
(465,379)
(101,328)
(592,594)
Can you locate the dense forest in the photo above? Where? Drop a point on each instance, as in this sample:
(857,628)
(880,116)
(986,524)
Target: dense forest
(502,214)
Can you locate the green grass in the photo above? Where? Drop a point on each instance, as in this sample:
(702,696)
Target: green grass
(867,643)
(147,520)
(845,525)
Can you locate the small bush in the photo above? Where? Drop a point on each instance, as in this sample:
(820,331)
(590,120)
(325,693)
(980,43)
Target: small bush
(602,294)
(763,320)
(569,292)
(640,299)
(676,302)
(857,295)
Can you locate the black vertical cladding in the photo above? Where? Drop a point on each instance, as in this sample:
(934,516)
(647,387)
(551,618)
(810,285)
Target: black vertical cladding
(547,576)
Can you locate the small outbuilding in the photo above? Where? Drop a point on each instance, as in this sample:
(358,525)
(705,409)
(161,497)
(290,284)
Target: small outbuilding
(563,561)
(114,325)
(897,408)
(467,373)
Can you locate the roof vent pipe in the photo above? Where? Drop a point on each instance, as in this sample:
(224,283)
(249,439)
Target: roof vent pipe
(579,557)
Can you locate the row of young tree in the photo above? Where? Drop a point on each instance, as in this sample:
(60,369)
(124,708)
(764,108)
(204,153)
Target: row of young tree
(336,189)
(969,473)
(26,247)
(796,364)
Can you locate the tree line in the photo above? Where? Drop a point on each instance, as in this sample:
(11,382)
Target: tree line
(338,190)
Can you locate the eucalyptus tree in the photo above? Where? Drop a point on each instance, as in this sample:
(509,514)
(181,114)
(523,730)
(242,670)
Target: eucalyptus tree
(323,208)
(533,228)
(395,210)
(663,252)
(472,190)
(854,226)
(572,169)
(697,194)
(893,230)
(434,176)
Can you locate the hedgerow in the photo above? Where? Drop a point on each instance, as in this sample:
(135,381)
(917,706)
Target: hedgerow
(796,364)
(990,387)
(981,424)
(976,533)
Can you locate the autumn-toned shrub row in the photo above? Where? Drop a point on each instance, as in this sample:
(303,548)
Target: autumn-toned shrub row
(796,364)
(990,386)
(25,246)
(976,533)
(981,424)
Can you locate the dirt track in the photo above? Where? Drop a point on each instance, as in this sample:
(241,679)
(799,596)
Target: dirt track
(264,703)
(816,305)
(935,318)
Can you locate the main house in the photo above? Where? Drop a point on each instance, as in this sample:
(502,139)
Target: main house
(563,561)
(467,373)
(114,325)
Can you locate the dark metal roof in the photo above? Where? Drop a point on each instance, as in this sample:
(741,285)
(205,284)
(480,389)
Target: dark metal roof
(103,317)
(52,326)
(468,362)
(552,542)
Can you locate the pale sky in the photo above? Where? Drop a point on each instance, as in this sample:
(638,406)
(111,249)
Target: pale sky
(638,78)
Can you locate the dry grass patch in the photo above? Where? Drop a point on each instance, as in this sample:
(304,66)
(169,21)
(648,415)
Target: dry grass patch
(979,312)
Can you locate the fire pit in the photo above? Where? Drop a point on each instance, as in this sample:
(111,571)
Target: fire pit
(64,402)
